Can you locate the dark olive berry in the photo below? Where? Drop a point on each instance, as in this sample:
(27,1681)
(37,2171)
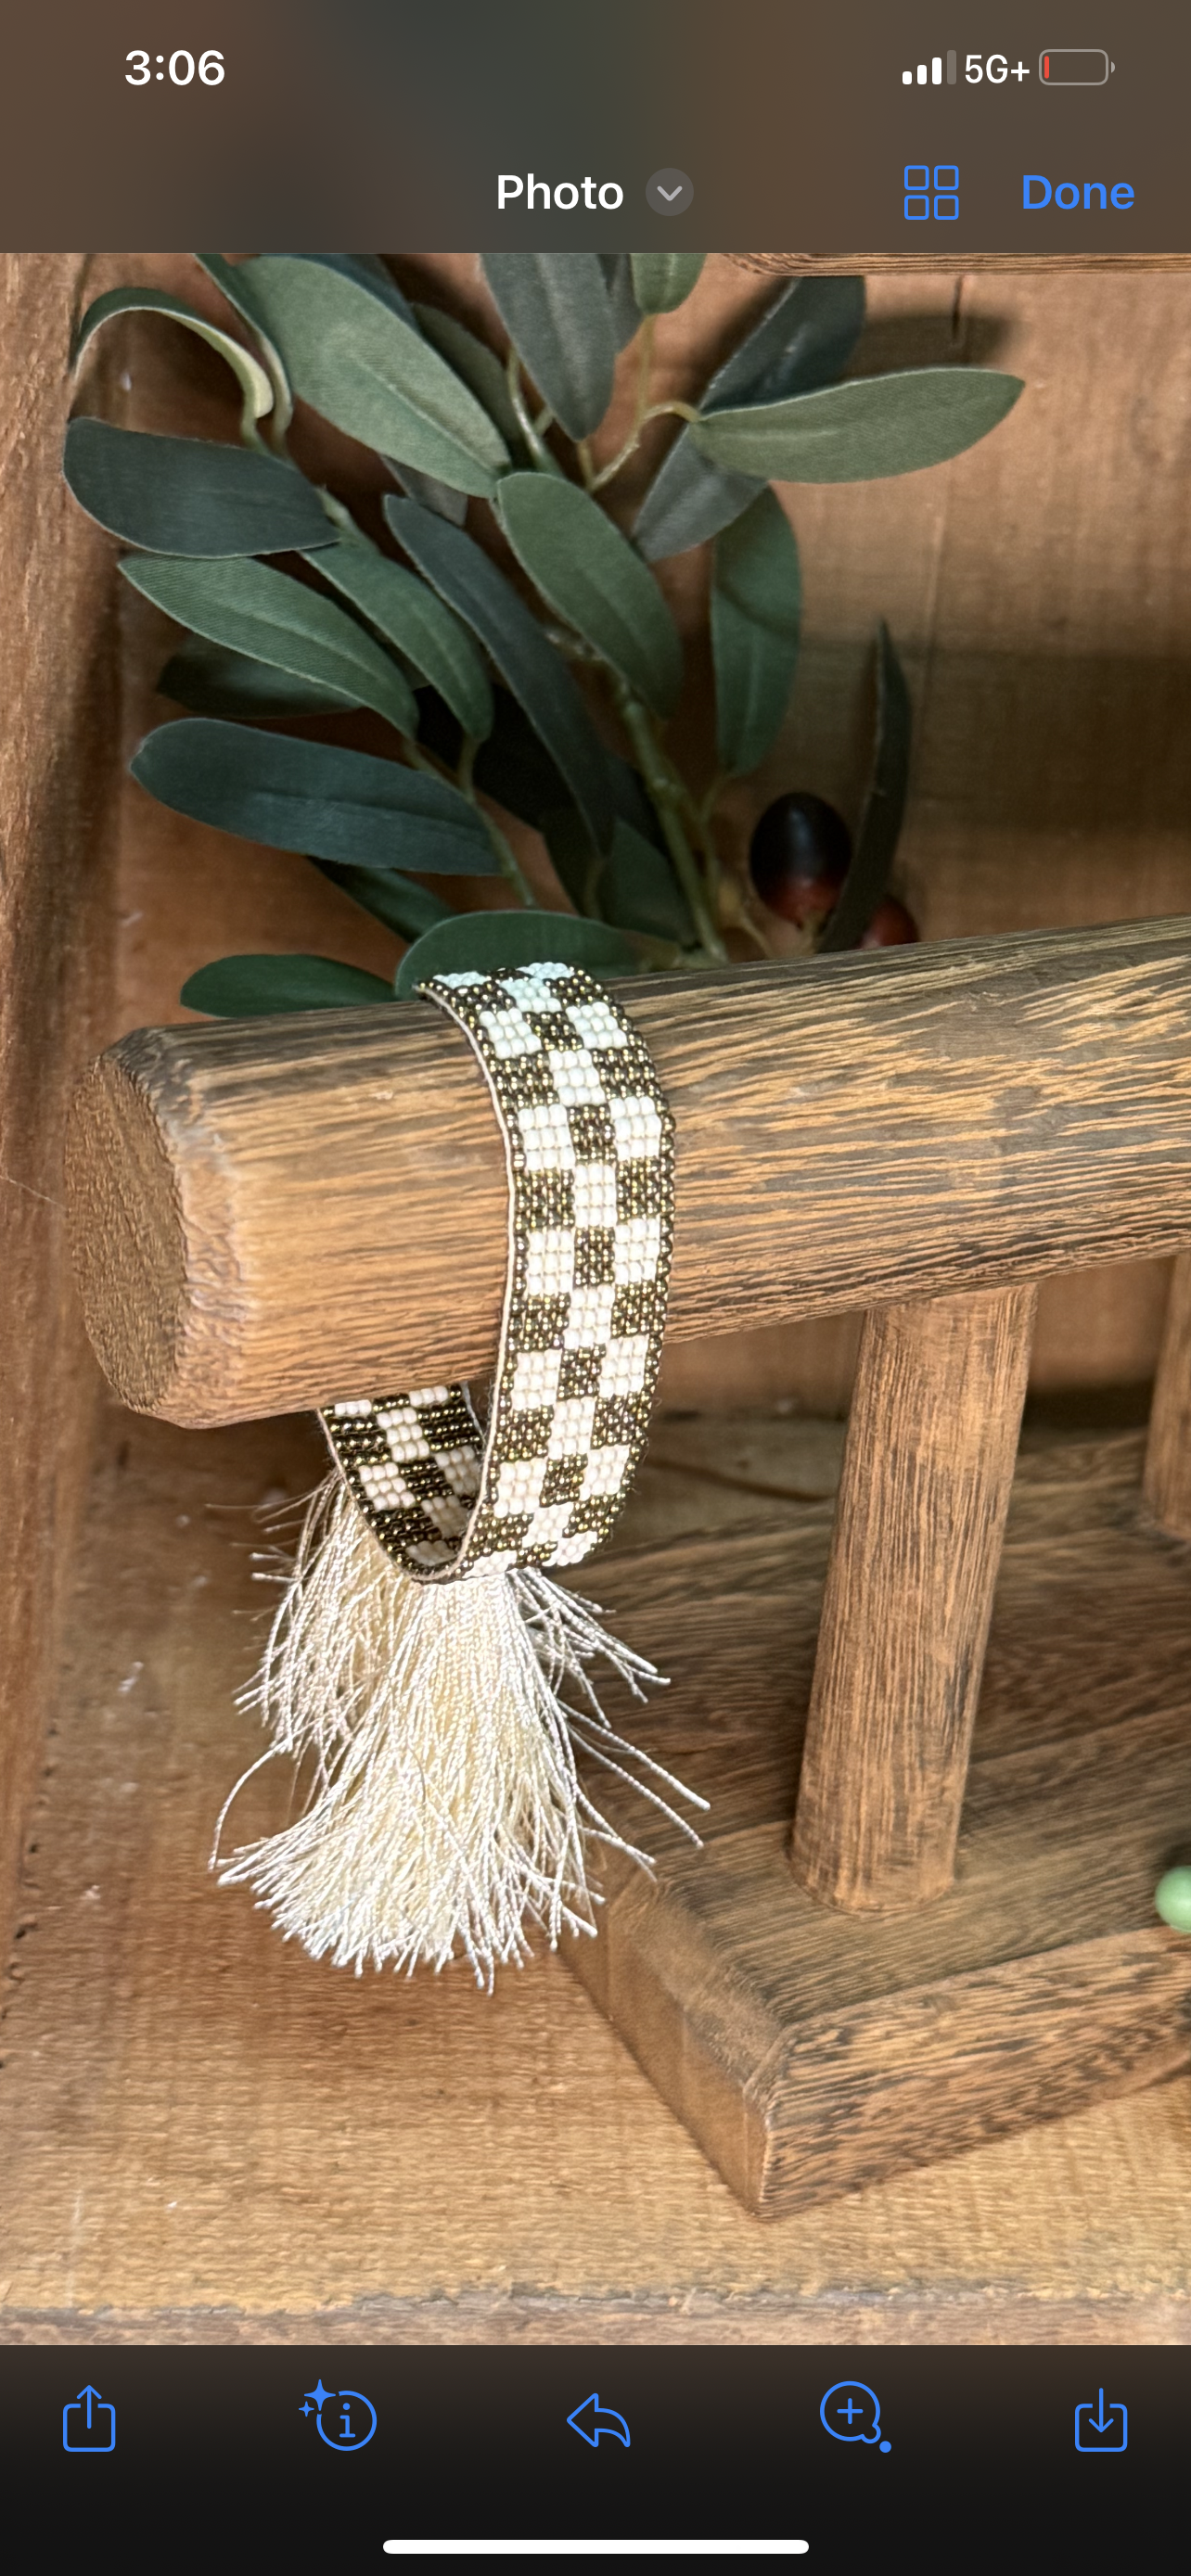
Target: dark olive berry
(891,925)
(799,856)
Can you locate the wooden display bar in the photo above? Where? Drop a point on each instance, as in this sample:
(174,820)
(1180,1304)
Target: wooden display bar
(271,1214)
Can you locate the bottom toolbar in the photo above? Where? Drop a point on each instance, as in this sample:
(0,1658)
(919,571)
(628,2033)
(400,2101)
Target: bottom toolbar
(375,2450)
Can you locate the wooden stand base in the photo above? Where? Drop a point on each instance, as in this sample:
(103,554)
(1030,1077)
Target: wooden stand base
(811,2051)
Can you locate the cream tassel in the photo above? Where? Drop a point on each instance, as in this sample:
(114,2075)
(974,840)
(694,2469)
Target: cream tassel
(445,1812)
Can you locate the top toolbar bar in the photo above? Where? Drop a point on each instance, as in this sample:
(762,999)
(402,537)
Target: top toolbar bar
(455,125)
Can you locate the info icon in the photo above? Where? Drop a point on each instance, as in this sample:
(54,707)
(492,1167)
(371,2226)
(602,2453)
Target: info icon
(349,2422)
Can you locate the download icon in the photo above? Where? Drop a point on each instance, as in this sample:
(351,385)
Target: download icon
(1105,2430)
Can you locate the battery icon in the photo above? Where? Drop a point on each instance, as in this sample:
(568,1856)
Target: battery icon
(1074,67)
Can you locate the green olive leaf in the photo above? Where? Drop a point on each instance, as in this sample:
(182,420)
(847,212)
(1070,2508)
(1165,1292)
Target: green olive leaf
(433,495)
(351,355)
(463,575)
(402,905)
(884,806)
(254,380)
(632,801)
(314,798)
(246,988)
(623,307)
(228,276)
(370,272)
(190,496)
(689,501)
(213,682)
(365,268)
(861,431)
(256,610)
(479,367)
(491,942)
(589,575)
(755,605)
(639,890)
(663,279)
(413,617)
(514,766)
(803,340)
(577,863)
(554,306)
(634,888)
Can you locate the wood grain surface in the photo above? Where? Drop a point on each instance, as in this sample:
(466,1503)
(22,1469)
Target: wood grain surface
(814,2051)
(797,263)
(206,2137)
(928,1471)
(1168,1452)
(58,781)
(270,1214)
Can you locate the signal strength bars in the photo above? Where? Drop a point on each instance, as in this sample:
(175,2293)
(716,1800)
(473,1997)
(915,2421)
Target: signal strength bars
(932,71)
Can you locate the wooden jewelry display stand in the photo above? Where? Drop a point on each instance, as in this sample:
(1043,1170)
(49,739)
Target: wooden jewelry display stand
(923,1915)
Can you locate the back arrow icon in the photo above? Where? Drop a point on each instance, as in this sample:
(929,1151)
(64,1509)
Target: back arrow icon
(602,2419)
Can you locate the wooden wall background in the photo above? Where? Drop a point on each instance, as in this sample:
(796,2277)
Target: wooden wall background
(58,681)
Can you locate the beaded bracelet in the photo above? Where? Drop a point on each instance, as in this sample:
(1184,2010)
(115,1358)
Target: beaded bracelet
(420,1656)
(589,1145)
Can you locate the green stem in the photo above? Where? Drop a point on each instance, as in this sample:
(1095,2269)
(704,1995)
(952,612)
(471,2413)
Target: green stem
(595,481)
(510,866)
(745,919)
(669,795)
(539,452)
(705,843)
(644,368)
(654,411)
(339,515)
(708,803)
(752,927)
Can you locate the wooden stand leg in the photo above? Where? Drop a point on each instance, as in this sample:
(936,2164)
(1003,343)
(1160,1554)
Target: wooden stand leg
(927,1476)
(1168,1454)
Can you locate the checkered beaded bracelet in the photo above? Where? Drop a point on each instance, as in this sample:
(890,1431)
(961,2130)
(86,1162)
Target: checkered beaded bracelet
(589,1144)
(436,1689)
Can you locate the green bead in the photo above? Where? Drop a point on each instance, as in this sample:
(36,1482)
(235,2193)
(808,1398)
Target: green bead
(1172,1897)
